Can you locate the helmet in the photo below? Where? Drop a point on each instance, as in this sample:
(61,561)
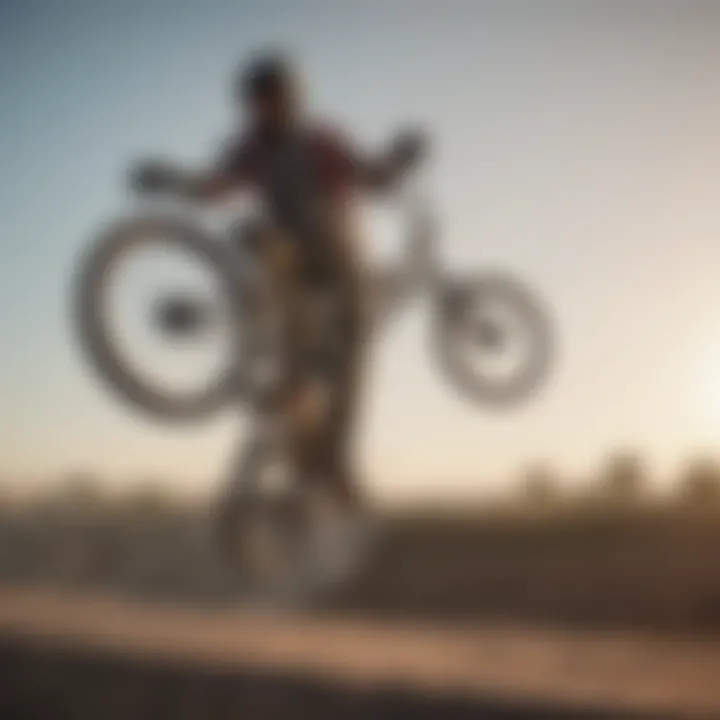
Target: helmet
(267,74)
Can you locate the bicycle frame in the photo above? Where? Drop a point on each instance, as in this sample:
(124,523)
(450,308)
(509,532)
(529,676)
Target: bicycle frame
(419,271)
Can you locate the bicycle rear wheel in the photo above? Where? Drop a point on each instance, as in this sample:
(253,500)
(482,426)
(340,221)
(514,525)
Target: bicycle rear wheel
(493,339)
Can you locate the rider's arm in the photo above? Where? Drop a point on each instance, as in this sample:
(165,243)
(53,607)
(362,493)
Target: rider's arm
(377,173)
(231,173)
(346,163)
(205,186)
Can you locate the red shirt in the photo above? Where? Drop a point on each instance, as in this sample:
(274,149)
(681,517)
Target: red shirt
(305,179)
(316,153)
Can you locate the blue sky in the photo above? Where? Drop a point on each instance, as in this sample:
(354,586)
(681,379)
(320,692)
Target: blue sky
(575,143)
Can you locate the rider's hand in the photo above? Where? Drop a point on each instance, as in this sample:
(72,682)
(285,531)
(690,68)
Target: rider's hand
(408,148)
(153,176)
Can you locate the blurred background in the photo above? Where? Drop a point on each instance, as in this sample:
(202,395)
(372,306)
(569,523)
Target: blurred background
(573,143)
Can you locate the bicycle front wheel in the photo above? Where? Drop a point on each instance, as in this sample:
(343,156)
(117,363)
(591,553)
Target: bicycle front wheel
(103,345)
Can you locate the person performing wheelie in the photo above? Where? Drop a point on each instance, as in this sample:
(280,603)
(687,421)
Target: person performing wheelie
(307,175)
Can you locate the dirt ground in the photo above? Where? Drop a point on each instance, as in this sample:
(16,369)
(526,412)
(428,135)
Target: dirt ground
(479,616)
(72,656)
(37,683)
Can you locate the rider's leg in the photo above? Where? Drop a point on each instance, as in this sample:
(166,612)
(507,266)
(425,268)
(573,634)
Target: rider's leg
(319,411)
(337,452)
(302,406)
(320,425)
(290,400)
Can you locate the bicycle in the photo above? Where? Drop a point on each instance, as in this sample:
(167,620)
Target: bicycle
(462,309)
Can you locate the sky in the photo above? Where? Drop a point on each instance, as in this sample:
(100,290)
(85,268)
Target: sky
(575,144)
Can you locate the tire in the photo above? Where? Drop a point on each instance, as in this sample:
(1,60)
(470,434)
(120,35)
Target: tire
(91,285)
(242,504)
(303,582)
(454,338)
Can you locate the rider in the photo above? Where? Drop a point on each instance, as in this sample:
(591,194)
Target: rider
(306,174)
